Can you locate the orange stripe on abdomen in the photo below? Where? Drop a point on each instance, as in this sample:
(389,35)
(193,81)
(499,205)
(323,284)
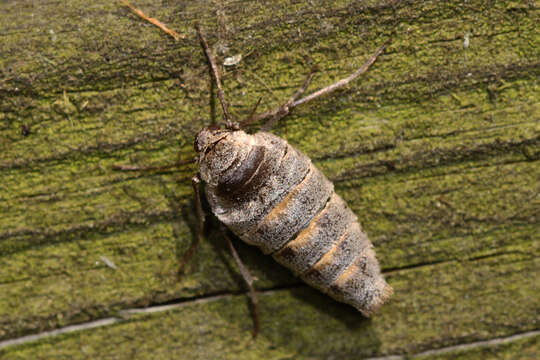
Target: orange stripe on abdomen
(293,213)
(316,240)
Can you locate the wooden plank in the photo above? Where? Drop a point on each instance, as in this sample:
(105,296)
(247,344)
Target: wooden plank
(524,346)
(436,149)
(455,302)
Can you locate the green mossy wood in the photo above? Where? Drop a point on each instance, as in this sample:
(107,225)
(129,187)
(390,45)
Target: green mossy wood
(436,149)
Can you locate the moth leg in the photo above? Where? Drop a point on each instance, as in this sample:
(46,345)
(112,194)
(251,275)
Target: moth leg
(248,280)
(280,111)
(195,181)
(285,109)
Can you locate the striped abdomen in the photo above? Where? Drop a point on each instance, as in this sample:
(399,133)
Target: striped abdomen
(272,196)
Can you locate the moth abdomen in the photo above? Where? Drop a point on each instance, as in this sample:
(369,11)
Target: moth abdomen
(293,213)
(318,238)
(272,196)
(362,284)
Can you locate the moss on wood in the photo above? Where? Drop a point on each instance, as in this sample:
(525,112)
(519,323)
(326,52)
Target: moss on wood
(435,306)
(436,149)
(526,348)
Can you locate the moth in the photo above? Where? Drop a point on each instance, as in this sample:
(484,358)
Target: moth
(272,196)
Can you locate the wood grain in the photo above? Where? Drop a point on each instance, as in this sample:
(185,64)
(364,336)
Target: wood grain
(435,149)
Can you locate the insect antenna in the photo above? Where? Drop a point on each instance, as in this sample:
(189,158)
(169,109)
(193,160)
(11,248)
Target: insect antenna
(215,73)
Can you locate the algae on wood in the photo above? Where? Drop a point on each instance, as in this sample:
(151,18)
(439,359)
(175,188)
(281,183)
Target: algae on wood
(436,150)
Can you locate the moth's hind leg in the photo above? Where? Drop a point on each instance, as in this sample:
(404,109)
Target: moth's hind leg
(276,114)
(196,180)
(280,112)
(248,280)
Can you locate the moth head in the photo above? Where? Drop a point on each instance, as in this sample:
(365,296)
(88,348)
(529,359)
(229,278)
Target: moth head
(214,152)
(218,149)
(208,137)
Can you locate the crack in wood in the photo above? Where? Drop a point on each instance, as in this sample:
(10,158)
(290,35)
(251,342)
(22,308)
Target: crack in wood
(124,315)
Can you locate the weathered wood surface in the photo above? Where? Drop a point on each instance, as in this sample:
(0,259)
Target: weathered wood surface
(436,149)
